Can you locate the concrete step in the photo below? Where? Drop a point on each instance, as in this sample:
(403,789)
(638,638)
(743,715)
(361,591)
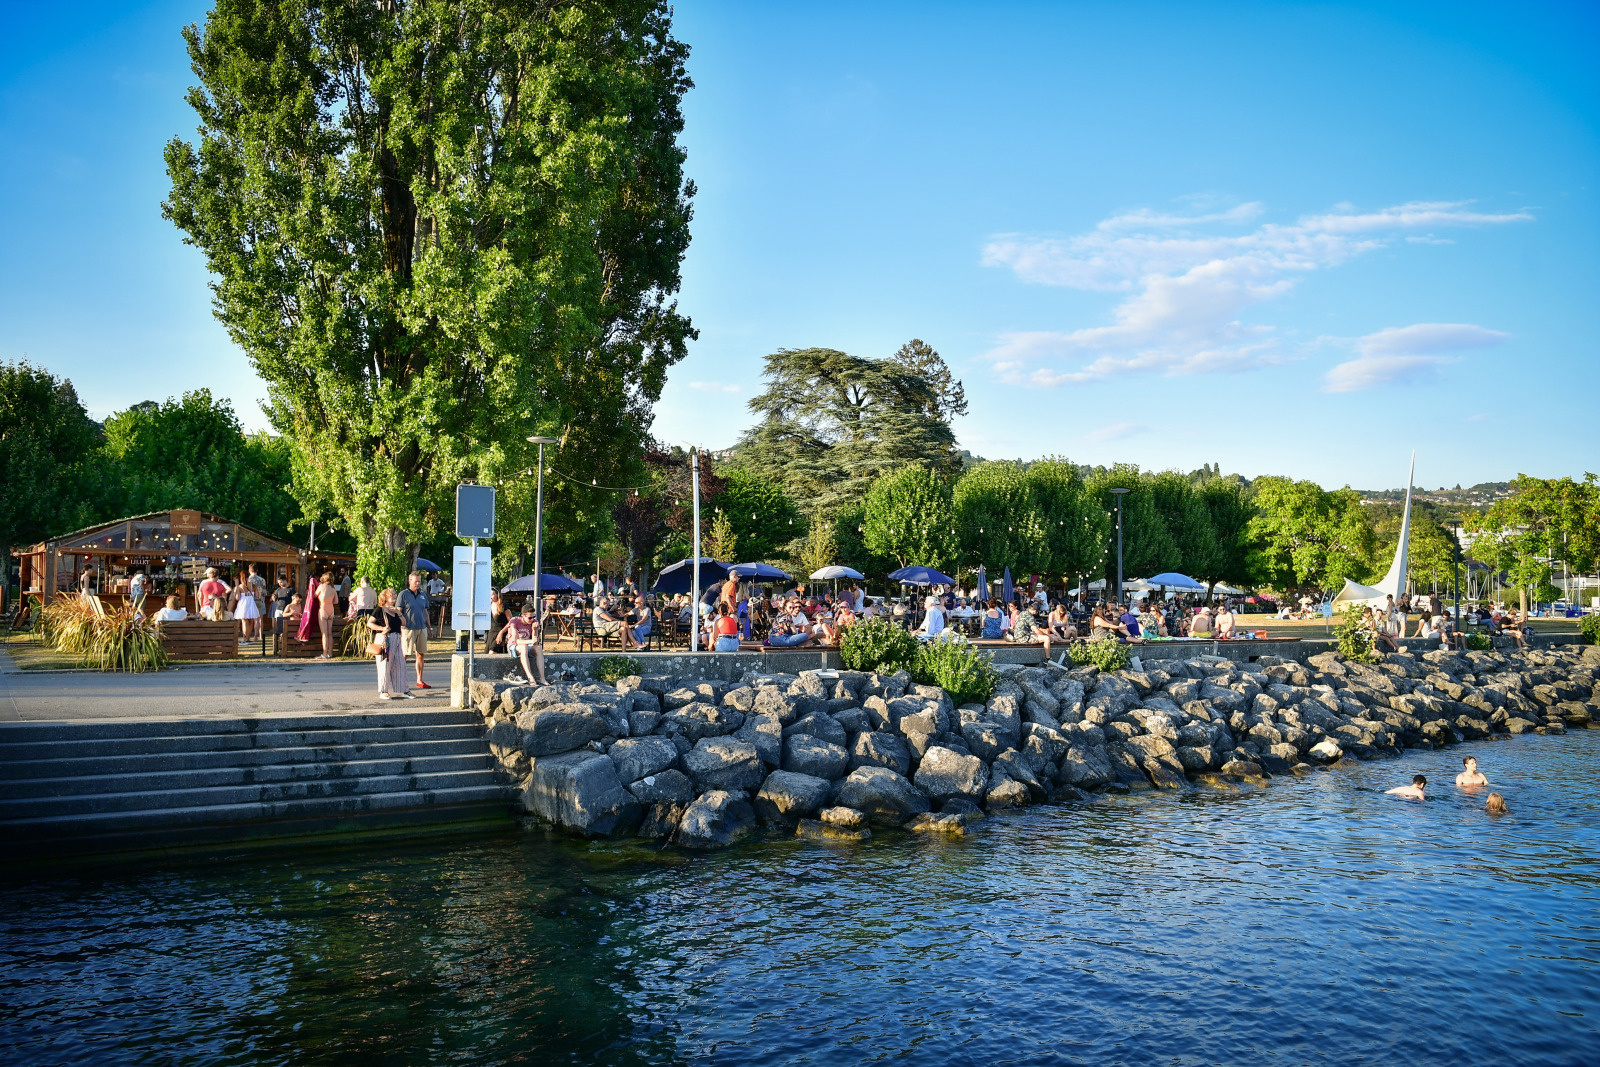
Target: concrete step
(97,748)
(332,756)
(108,729)
(27,808)
(143,778)
(126,826)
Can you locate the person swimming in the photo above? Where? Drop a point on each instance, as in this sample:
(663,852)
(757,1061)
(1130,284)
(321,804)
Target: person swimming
(1470,777)
(1495,804)
(1414,791)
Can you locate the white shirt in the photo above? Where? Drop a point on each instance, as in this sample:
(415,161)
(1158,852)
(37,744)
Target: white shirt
(171,615)
(933,624)
(365,598)
(136,585)
(436,587)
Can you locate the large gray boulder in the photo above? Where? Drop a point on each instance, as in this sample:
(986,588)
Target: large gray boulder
(715,820)
(668,787)
(806,754)
(699,719)
(945,774)
(581,792)
(787,797)
(557,728)
(765,732)
(640,757)
(771,701)
(919,731)
(1086,767)
(879,748)
(724,763)
(820,725)
(886,798)
(986,740)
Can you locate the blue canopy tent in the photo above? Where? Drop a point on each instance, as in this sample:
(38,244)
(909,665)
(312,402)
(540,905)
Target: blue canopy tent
(1174,580)
(983,584)
(679,578)
(1007,590)
(921,576)
(549,583)
(427,565)
(761,572)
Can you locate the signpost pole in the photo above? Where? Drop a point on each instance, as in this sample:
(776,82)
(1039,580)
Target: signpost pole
(472,613)
(694,605)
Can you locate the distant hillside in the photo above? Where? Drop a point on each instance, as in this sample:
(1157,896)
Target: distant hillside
(1474,497)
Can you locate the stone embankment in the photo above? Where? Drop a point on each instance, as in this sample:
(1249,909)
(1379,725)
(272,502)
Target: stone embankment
(835,753)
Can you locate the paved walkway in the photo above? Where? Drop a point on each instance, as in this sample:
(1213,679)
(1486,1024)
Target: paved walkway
(207,692)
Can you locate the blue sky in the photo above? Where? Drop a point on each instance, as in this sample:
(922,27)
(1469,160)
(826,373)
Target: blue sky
(1287,238)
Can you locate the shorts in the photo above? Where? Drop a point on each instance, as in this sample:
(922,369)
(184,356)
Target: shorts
(606,629)
(414,642)
(728,643)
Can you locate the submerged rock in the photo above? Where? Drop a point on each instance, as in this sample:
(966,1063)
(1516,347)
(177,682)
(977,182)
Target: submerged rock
(886,798)
(717,819)
(787,797)
(581,792)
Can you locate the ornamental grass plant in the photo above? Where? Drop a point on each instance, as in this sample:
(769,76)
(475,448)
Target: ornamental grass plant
(115,640)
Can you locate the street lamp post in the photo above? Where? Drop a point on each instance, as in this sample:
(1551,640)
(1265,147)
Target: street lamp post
(538,535)
(1455,569)
(1119,494)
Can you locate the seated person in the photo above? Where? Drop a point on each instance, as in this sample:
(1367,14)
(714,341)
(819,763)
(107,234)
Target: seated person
(933,622)
(725,630)
(1380,637)
(993,621)
(217,611)
(1061,622)
(783,634)
(1224,621)
(1026,630)
(1149,620)
(843,619)
(173,613)
(1130,626)
(647,617)
(608,625)
(520,635)
(1103,627)
(1201,625)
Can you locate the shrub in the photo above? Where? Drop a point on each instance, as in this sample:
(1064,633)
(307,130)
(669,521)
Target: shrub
(1355,640)
(1589,627)
(115,641)
(1479,642)
(611,668)
(1107,655)
(952,664)
(876,644)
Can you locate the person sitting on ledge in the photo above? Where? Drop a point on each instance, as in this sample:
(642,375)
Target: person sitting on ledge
(993,624)
(1026,630)
(1414,791)
(1061,622)
(520,635)
(933,622)
(171,613)
(783,634)
(1470,777)
(1201,625)
(1130,626)
(726,629)
(1225,622)
(1495,804)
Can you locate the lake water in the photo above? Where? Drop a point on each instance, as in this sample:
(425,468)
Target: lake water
(1315,921)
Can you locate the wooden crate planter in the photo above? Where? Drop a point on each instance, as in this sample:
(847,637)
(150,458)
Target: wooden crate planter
(198,639)
(288,646)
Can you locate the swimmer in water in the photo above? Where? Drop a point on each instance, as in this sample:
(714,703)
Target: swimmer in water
(1470,777)
(1495,804)
(1414,791)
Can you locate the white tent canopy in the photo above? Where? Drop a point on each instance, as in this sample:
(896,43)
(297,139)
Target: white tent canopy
(1393,583)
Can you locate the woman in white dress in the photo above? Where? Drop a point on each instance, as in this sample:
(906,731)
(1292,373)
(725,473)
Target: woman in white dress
(248,609)
(385,625)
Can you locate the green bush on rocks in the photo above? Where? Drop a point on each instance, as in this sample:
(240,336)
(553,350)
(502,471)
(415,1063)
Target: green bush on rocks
(611,668)
(876,644)
(951,663)
(1107,655)
(1589,627)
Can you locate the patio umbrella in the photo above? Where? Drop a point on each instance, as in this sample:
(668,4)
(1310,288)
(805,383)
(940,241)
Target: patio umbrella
(759,571)
(983,584)
(549,583)
(426,564)
(1174,580)
(679,577)
(836,572)
(921,576)
(1007,591)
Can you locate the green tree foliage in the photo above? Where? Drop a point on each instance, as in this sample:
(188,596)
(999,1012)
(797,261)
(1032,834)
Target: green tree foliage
(832,424)
(1148,547)
(1306,536)
(950,396)
(1229,508)
(998,519)
(761,512)
(1429,551)
(907,518)
(1543,521)
(192,453)
(1188,522)
(46,439)
(436,227)
(1075,526)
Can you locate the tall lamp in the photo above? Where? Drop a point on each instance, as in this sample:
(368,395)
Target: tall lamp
(538,534)
(1119,494)
(1455,569)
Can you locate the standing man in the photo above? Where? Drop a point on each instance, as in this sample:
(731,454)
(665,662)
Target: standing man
(344,590)
(211,589)
(136,591)
(414,623)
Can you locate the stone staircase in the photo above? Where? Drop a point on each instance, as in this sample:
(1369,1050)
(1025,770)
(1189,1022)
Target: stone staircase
(71,788)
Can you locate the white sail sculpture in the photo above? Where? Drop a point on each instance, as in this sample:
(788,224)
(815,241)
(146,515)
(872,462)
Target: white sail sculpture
(1394,583)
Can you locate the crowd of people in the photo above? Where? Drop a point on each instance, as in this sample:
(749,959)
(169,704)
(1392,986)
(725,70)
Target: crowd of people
(1389,621)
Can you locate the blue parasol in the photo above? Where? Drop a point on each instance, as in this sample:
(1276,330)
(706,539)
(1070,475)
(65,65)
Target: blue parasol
(761,572)
(427,565)
(983,584)
(1174,580)
(549,583)
(680,576)
(1007,591)
(921,576)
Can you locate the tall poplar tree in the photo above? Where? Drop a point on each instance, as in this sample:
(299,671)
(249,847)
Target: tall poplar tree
(436,227)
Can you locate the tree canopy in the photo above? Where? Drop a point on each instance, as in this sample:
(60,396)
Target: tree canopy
(907,518)
(436,227)
(832,423)
(46,441)
(1306,536)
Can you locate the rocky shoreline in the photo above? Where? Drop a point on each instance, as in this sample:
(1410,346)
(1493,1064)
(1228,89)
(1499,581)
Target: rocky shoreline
(833,754)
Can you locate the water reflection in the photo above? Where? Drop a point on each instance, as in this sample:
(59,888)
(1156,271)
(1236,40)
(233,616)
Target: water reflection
(1314,920)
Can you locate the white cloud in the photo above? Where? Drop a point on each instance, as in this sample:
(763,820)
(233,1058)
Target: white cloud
(1188,287)
(1370,371)
(1115,432)
(1406,353)
(716,387)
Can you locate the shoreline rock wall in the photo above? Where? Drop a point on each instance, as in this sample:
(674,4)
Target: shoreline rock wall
(836,753)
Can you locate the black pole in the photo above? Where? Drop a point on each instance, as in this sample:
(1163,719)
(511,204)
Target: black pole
(1119,549)
(1455,576)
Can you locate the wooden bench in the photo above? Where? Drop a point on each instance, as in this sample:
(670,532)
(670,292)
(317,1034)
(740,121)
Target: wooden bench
(198,639)
(287,646)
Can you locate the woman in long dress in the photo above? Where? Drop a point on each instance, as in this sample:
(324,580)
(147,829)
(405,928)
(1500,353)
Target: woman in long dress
(385,625)
(308,613)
